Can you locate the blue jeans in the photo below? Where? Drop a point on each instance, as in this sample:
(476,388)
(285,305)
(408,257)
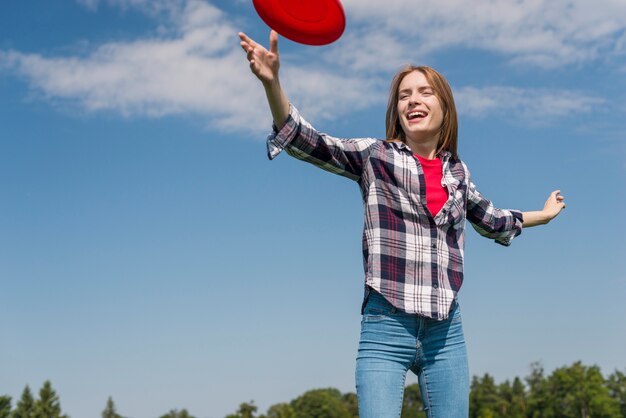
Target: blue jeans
(393,342)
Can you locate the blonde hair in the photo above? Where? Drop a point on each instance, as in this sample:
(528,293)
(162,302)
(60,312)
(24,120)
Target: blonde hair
(448,137)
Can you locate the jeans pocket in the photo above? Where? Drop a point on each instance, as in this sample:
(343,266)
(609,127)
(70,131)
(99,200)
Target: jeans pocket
(375,314)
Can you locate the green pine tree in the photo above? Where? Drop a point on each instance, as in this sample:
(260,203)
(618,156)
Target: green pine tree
(511,401)
(505,400)
(109,410)
(484,399)
(177,414)
(246,410)
(5,406)
(617,389)
(25,407)
(538,396)
(48,404)
(518,406)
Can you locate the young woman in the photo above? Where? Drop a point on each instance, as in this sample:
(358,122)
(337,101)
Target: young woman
(417,195)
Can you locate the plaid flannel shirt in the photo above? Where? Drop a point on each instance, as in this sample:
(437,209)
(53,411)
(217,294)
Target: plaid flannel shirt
(413,259)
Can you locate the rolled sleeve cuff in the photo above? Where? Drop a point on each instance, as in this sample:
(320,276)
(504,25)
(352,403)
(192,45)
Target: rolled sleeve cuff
(515,230)
(278,140)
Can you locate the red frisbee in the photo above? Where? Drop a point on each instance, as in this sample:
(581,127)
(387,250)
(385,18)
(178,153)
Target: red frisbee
(311,22)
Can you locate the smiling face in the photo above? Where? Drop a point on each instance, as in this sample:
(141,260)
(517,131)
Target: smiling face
(438,120)
(419,110)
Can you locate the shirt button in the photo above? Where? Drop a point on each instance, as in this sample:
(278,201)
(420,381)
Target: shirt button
(434,245)
(435,286)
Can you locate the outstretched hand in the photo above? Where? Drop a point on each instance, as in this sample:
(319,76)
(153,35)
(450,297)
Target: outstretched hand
(554,205)
(263,63)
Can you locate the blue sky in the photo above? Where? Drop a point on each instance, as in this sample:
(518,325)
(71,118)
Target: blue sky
(150,252)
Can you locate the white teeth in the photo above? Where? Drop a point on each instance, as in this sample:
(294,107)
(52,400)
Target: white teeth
(416,114)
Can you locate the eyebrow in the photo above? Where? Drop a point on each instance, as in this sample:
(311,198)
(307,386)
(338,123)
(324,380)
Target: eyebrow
(408,89)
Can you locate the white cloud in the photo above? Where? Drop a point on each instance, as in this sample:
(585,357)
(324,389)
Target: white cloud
(543,33)
(326,96)
(200,69)
(368,51)
(536,106)
(150,6)
(196,66)
(196,72)
(89,4)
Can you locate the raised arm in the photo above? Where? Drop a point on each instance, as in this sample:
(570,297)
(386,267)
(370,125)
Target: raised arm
(292,132)
(265,64)
(553,206)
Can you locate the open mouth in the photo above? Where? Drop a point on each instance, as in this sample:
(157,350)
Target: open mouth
(416,115)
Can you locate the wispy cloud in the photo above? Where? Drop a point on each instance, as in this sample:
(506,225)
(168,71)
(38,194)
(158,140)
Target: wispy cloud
(89,4)
(544,33)
(196,66)
(537,106)
(150,6)
(199,69)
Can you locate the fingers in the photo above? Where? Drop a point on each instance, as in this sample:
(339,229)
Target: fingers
(261,61)
(274,42)
(245,38)
(247,48)
(556,195)
(558,198)
(249,52)
(247,45)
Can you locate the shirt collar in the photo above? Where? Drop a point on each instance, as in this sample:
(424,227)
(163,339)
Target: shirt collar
(444,155)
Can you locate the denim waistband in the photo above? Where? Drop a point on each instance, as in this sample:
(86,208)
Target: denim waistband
(373,299)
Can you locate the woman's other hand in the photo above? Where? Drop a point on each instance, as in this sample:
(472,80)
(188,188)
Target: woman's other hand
(553,206)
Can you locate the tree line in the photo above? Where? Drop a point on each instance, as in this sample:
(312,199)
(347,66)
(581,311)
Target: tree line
(575,391)
(48,405)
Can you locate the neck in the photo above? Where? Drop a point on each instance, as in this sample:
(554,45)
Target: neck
(426,149)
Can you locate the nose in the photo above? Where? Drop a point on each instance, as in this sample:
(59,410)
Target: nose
(414,99)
